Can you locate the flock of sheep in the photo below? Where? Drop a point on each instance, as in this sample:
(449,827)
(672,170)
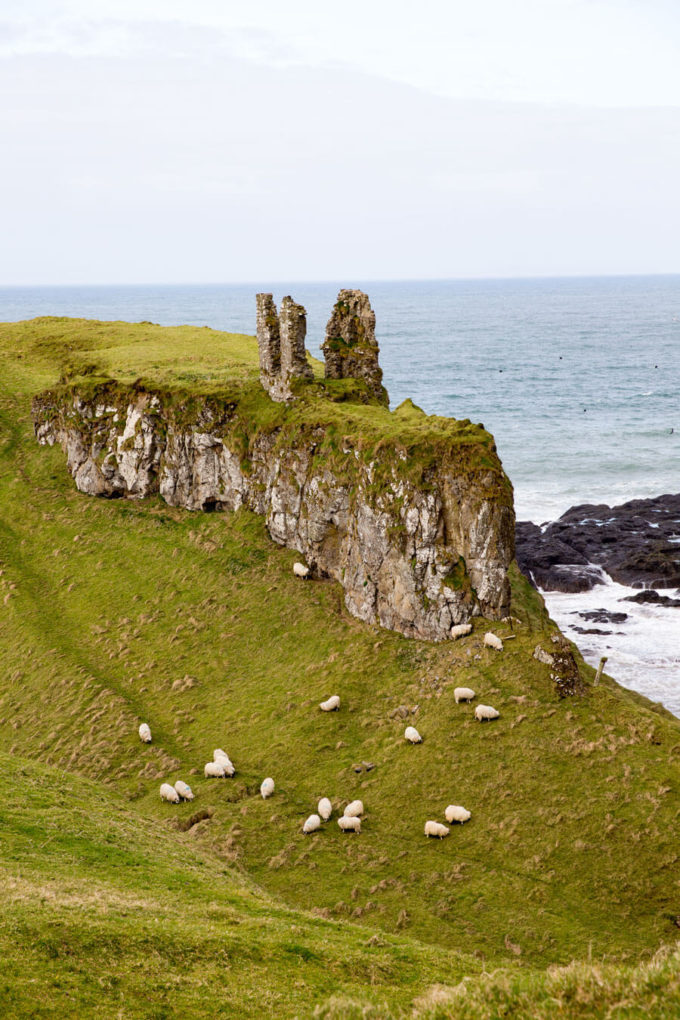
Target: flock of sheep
(350,820)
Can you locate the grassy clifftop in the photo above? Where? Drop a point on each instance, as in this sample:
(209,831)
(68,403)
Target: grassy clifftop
(114,612)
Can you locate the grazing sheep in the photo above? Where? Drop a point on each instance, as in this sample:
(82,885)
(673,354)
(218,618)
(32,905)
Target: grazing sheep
(184,790)
(491,641)
(461,630)
(325,808)
(223,758)
(312,824)
(267,787)
(354,809)
(300,570)
(483,712)
(412,735)
(214,770)
(332,705)
(145,733)
(455,813)
(169,793)
(436,829)
(350,823)
(463,694)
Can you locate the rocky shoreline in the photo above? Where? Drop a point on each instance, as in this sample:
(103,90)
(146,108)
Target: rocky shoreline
(637,544)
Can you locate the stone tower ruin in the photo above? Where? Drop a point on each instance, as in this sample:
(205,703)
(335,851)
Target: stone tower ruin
(281,345)
(350,348)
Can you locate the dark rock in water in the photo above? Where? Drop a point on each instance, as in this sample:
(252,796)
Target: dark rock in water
(652,598)
(635,543)
(603,616)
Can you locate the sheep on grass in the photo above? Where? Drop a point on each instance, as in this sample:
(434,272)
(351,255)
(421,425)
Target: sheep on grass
(463,694)
(169,793)
(436,829)
(349,823)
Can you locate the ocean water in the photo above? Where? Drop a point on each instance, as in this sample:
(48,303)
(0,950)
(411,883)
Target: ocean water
(577,378)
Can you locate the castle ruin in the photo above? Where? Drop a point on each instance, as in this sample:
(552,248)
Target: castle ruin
(350,348)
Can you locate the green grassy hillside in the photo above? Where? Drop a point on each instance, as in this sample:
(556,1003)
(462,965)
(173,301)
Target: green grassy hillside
(114,612)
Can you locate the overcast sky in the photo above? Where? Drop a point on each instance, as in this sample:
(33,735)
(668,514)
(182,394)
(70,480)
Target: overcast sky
(222,140)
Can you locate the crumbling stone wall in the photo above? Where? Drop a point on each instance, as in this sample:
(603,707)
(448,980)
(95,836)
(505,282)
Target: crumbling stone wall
(350,348)
(281,345)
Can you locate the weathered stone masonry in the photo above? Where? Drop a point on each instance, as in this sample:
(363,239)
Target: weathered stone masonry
(350,348)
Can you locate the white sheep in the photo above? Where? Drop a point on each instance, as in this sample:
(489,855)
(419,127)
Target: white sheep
(354,809)
(492,641)
(350,823)
(312,824)
(223,758)
(214,770)
(436,829)
(169,793)
(325,808)
(412,735)
(483,712)
(145,733)
(184,790)
(332,705)
(463,694)
(300,570)
(461,630)
(456,813)
(267,787)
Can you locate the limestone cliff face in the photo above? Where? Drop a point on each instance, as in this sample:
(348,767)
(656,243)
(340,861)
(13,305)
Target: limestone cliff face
(415,556)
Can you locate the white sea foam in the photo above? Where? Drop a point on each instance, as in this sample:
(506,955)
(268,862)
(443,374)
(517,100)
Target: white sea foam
(643,653)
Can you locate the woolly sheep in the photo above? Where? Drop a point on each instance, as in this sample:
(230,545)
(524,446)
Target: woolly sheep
(436,829)
(325,808)
(483,712)
(491,641)
(463,694)
(455,813)
(145,733)
(412,735)
(214,770)
(312,824)
(350,823)
(184,790)
(267,787)
(332,705)
(222,758)
(461,630)
(169,793)
(354,809)
(300,570)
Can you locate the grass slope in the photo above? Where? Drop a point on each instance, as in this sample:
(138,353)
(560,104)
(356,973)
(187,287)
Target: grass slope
(114,612)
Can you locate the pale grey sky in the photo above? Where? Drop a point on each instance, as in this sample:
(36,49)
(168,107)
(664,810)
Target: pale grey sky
(226,140)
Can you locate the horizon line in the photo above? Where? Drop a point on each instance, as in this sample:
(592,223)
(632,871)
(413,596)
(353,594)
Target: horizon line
(336,280)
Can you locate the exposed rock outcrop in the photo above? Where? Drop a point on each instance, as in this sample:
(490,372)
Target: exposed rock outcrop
(414,552)
(350,348)
(636,543)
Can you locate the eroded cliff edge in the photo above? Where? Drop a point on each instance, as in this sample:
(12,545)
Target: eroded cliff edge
(411,513)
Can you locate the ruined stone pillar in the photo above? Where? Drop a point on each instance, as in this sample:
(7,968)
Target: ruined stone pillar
(268,339)
(350,348)
(293,331)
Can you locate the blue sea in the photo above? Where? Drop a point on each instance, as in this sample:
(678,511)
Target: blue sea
(577,378)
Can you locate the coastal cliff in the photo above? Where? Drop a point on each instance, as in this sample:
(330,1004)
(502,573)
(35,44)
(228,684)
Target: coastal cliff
(412,514)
